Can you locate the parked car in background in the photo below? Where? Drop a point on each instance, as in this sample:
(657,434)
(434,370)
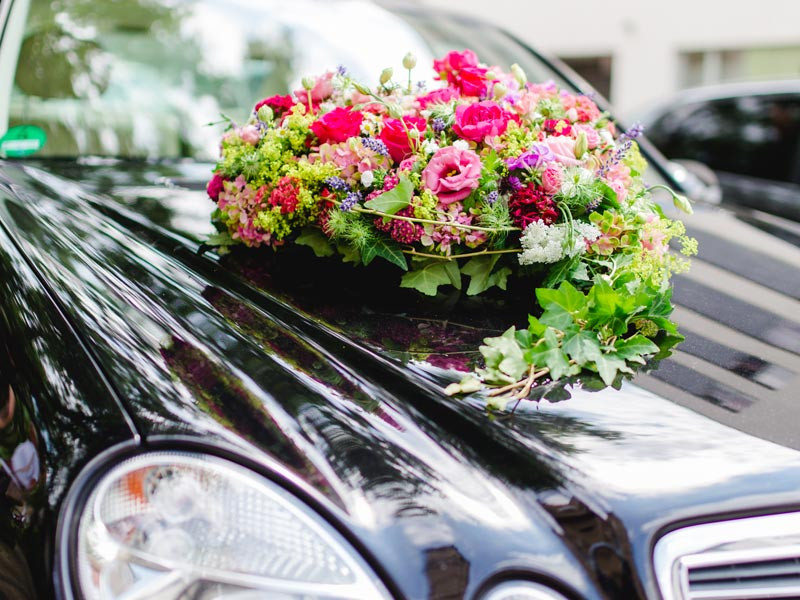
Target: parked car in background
(179,424)
(748,134)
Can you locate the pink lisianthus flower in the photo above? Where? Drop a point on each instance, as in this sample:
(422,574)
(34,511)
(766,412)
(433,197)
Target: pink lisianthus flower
(564,150)
(395,136)
(452,174)
(552,178)
(338,125)
(249,134)
(462,72)
(323,88)
(477,121)
(592,137)
(442,96)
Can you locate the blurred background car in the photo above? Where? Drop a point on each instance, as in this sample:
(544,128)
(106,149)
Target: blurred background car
(748,134)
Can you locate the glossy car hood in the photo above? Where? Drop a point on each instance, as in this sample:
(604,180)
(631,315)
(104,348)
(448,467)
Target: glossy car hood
(309,370)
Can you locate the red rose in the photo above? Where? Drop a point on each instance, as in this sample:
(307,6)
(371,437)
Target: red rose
(337,125)
(472,81)
(395,137)
(214,186)
(477,121)
(279,104)
(441,96)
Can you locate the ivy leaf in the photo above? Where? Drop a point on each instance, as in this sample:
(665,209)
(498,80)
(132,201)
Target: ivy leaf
(550,354)
(479,270)
(634,347)
(583,347)
(387,250)
(560,271)
(561,306)
(222,238)
(608,308)
(349,254)
(316,240)
(395,199)
(504,359)
(428,278)
(453,272)
(536,327)
(608,365)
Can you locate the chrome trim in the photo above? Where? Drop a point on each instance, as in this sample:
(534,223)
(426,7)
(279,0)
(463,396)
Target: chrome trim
(698,546)
(522,590)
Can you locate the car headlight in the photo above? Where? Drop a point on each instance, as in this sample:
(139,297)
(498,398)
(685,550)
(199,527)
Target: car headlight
(168,525)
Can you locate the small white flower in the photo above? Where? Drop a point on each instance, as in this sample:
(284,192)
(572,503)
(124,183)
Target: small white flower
(542,243)
(582,232)
(429,146)
(367,178)
(572,115)
(461,145)
(325,107)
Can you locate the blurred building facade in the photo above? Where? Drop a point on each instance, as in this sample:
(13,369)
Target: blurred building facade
(640,52)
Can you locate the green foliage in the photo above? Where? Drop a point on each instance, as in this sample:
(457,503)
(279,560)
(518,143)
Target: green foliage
(427,277)
(481,274)
(395,199)
(316,240)
(385,249)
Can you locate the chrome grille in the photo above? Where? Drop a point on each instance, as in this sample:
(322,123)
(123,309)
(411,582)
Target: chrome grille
(741,559)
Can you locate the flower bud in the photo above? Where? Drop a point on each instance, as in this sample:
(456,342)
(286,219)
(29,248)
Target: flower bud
(413,134)
(519,75)
(308,83)
(386,75)
(409,61)
(265,114)
(395,111)
(499,91)
(491,75)
(581,144)
(681,202)
(367,179)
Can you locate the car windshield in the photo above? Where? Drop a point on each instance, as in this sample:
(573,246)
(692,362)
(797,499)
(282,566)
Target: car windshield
(144,78)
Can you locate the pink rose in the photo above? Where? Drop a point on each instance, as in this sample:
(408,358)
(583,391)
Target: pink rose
(395,137)
(564,150)
(249,134)
(337,125)
(472,81)
(461,71)
(552,179)
(442,96)
(452,174)
(477,121)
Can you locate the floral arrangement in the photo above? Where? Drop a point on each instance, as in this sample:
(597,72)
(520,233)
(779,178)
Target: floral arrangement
(486,177)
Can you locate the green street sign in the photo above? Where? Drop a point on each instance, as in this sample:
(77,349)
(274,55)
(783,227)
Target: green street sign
(22,140)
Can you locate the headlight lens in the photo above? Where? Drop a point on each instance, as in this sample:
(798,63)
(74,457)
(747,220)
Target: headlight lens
(169,525)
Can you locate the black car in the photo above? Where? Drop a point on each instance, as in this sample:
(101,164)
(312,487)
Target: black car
(748,134)
(180,424)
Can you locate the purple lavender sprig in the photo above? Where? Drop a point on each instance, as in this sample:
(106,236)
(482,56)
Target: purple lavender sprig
(337,184)
(626,138)
(438,125)
(350,201)
(375,145)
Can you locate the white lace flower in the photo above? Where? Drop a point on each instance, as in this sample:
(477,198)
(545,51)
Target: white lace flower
(429,146)
(582,232)
(542,243)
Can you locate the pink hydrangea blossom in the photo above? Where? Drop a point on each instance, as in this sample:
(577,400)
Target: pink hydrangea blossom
(452,174)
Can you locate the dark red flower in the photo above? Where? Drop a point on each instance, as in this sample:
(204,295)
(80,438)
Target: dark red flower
(530,204)
(395,137)
(337,125)
(214,186)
